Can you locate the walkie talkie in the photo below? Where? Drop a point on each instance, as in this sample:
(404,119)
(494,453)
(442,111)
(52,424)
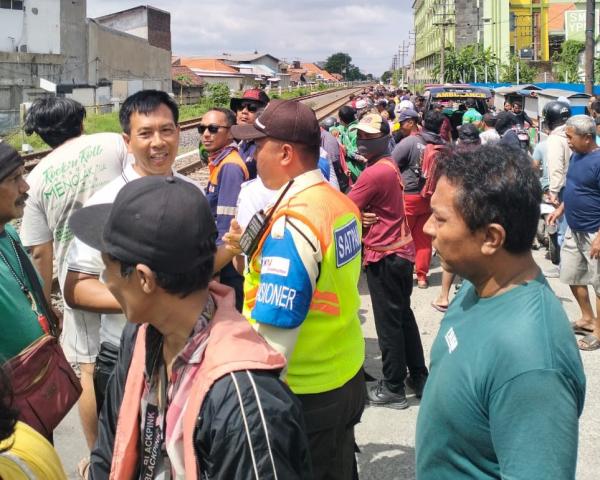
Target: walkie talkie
(258,225)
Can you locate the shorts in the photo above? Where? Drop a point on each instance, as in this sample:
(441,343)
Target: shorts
(576,265)
(80,336)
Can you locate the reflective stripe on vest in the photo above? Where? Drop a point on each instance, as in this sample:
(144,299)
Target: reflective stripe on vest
(233,157)
(330,347)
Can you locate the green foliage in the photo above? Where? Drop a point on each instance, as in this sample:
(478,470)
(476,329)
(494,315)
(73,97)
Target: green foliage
(218,95)
(467,65)
(338,62)
(527,73)
(566,62)
(109,122)
(387,76)
(342,63)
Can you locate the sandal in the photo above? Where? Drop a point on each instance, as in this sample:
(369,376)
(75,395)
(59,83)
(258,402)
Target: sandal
(83,468)
(439,308)
(589,343)
(581,330)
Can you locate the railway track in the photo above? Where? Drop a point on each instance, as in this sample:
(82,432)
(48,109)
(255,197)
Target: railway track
(196,167)
(32,159)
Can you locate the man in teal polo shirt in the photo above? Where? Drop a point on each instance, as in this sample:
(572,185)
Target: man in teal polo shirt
(506,384)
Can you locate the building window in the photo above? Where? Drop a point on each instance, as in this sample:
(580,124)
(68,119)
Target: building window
(12,4)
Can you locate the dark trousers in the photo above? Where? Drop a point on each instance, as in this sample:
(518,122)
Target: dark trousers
(106,361)
(390,285)
(229,276)
(330,419)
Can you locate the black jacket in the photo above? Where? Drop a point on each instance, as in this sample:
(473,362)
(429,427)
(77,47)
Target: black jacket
(225,448)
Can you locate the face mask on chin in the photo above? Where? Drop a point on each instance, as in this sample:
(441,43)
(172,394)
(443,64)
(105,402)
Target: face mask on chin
(373,148)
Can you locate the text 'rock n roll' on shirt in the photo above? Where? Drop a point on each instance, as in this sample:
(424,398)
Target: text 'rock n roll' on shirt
(301,285)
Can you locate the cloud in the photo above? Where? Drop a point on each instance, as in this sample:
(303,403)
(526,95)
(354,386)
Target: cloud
(309,30)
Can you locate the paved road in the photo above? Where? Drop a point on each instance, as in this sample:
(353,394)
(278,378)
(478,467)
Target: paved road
(385,436)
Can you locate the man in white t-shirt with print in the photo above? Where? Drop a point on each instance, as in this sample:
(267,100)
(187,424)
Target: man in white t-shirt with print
(78,166)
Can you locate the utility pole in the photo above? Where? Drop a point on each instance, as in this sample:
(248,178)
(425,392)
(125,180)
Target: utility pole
(403,51)
(412,35)
(589,45)
(444,23)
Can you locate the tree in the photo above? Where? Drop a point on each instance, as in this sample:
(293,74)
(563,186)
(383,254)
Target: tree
(184,80)
(218,95)
(386,77)
(527,73)
(342,63)
(566,62)
(338,63)
(467,65)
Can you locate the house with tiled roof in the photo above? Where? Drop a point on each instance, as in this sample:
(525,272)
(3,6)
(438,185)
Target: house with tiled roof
(212,70)
(187,86)
(318,74)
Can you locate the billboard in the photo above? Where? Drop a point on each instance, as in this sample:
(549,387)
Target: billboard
(575,25)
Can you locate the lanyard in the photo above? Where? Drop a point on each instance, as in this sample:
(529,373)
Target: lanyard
(43,321)
(154,457)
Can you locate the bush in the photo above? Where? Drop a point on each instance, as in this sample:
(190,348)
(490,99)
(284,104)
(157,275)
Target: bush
(218,95)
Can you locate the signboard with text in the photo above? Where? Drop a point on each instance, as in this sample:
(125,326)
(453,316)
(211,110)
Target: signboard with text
(575,25)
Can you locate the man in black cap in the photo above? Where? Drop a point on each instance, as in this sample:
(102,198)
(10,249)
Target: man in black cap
(301,283)
(194,381)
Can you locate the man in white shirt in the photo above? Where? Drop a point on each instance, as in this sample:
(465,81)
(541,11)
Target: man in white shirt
(78,166)
(489,134)
(151,132)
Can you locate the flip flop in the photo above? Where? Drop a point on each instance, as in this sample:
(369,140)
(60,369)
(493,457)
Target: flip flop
(589,343)
(579,330)
(439,308)
(83,468)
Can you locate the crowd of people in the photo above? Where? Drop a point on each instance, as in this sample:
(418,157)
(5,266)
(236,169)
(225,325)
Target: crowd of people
(214,332)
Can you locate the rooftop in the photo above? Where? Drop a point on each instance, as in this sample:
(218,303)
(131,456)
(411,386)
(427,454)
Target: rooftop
(191,80)
(206,64)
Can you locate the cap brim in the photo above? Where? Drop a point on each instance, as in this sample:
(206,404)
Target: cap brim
(87,224)
(246,132)
(367,128)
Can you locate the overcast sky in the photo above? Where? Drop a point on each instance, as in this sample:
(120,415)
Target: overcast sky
(308,30)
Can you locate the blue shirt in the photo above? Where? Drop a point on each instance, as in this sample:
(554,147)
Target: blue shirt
(582,192)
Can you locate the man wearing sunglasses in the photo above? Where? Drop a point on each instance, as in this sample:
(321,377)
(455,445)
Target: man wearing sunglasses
(227,173)
(246,109)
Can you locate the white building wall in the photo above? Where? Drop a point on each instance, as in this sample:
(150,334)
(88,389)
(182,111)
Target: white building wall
(36,29)
(134,22)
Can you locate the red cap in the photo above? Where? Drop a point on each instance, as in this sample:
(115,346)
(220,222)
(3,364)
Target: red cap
(254,94)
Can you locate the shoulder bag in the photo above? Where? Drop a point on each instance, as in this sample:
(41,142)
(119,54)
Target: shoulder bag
(45,386)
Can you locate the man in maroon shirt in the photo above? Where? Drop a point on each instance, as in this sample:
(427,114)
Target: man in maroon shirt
(389,256)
